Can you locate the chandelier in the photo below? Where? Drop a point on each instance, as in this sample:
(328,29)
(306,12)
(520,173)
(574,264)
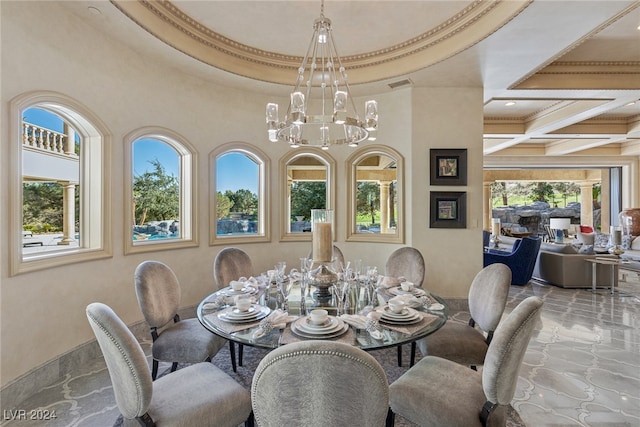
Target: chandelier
(321,110)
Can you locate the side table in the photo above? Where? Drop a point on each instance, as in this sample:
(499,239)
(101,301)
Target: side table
(614,263)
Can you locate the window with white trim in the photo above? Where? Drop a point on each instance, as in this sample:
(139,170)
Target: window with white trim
(238,200)
(59,181)
(162,183)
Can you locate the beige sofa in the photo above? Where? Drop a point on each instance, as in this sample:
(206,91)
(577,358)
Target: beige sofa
(570,270)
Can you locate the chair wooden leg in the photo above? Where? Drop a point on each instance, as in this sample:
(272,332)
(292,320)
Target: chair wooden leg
(391,418)
(399,355)
(250,421)
(240,351)
(232,352)
(154,369)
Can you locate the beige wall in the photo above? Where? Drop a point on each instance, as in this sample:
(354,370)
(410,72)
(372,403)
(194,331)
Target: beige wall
(42,313)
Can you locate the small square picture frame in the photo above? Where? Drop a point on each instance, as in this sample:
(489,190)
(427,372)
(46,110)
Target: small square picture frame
(448,209)
(448,166)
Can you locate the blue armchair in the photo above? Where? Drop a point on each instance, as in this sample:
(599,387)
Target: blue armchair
(521,260)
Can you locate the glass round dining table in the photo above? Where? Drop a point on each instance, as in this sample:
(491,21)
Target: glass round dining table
(216,313)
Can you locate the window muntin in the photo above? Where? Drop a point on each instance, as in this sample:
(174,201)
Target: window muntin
(375,195)
(238,198)
(70,163)
(307,179)
(162,182)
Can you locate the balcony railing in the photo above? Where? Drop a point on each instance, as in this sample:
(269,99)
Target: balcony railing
(43,139)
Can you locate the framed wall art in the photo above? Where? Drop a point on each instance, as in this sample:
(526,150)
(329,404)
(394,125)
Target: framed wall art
(448,209)
(448,166)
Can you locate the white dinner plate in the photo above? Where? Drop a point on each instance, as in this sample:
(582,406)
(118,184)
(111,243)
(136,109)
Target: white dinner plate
(334,325)
(437,306)
(305,334)
(415,292)
(404,314)
(411,321)
(260,312)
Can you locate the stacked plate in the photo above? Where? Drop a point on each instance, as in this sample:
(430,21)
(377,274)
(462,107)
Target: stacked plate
(332,328)
(255,313)
(247,290)
(407,316)
(416,292)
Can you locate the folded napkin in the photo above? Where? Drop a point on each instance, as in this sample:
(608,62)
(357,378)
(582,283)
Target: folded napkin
(278,319)
(368,323)
(217,302)
(411,300)
(389,281)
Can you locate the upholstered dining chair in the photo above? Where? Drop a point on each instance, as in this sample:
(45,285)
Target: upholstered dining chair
(197,395)
(174,340)
(409,263)
(438,392)
(232,263)
(467,344)
(319,383)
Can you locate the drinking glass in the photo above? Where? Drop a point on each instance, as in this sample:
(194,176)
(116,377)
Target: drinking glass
(339,293)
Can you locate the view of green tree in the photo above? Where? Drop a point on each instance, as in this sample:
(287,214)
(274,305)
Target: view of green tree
(156,195)
(223,206)
(243,201)
(307,195)
(557,194)
(368,199)
(42,206)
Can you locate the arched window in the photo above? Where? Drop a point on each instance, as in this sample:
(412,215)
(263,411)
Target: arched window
(162,184)
(375,195)
(307,182)
(59,178)
(238,197)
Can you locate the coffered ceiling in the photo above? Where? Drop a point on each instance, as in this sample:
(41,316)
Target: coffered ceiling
(561,78)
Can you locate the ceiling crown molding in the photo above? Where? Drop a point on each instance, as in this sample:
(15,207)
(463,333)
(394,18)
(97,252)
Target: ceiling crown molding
(169,24)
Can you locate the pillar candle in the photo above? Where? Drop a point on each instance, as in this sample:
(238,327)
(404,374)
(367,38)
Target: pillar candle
(322,246)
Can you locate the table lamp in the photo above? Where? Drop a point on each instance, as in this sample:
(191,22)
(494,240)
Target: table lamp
(559,224)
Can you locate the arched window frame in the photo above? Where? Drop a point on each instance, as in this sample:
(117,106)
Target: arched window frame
(263,162)
(292,155)
(95,183)
(352,162)
(188,161)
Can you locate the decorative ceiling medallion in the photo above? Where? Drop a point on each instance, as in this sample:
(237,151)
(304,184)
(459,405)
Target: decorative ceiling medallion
(466,28)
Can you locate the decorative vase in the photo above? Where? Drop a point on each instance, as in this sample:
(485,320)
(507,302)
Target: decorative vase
(630,221)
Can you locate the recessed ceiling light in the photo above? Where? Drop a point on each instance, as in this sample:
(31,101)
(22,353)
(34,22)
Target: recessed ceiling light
(510,103)
(631,103)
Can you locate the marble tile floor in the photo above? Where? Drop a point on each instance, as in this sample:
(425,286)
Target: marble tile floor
(582,367)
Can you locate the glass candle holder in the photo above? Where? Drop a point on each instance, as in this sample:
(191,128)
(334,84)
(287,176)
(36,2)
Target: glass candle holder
(322,234)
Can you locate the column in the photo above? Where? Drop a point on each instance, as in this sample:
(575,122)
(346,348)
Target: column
(70,140)
(605,201)
(486,206)
(68,214)
(586,203)
(384,206)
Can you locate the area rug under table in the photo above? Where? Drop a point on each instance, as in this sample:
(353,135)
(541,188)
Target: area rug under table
(387,357)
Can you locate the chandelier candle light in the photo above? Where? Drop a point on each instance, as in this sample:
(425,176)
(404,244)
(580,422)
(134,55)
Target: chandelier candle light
(334,119)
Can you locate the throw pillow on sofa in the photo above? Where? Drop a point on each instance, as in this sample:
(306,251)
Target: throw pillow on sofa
(586,238)
(586,249)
